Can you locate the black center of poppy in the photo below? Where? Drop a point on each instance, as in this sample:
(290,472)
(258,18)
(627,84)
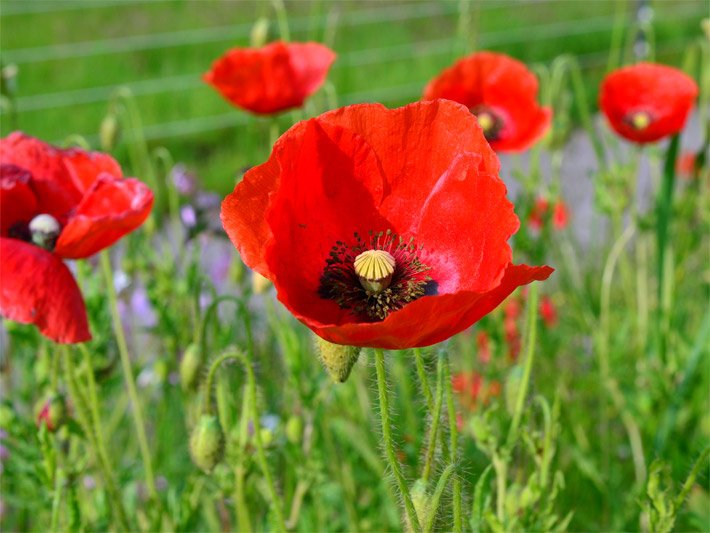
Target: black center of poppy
(374,278)
(491,122)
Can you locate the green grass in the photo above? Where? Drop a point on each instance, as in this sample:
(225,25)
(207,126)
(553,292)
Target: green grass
(374,56)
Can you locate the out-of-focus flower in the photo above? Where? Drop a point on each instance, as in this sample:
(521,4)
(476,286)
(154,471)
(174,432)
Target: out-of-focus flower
(647,102)
(512,311)
(548,311)
(58,204)
(382,228)
(473,389)
(501,92)
(541,212)
(185,182)
(273,78)
(483,343)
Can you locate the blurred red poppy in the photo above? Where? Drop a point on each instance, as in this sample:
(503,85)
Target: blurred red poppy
(58,204)
(382,228)
(273,78)
(647,102)
(541,212)
(501,92)
(548,312)
(473,389)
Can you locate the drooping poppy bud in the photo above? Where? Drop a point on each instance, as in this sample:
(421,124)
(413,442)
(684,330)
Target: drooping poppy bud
(207,443)
(53,412)
(337,359)
(190,366)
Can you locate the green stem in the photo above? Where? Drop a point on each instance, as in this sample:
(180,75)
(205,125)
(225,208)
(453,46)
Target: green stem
(388,442)
(243,517)
(454,445)
(423,379)
(87,413)
(501,467)
(236,355)
(57,499)
(531,329)
(128,375)
(435,418)
(282,18)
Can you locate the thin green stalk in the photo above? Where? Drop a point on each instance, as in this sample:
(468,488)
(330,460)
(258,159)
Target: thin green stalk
(236,355)
(434,502)
(282,18)
(388,442)
(243,518)
(435,419)
(454,444)
(128,376)
(57,499)
(531,329)
(86,414)
(500,466)
(423,378)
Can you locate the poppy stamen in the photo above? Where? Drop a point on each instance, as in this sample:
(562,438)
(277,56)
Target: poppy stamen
(491,123)
(373,279)
(640,120)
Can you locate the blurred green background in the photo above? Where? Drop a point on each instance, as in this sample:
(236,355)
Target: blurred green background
(72,55)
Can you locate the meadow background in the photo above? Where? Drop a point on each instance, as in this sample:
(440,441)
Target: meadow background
(577,465)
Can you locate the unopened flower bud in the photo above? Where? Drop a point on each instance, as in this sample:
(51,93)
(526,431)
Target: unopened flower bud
(421,501)
(259,283)
(207,443)
(294,429)
(190,367)
(45,229)
(109,132)
(53,412)
(337,359)
(259,33)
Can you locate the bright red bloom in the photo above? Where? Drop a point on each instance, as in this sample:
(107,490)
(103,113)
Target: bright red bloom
(647,102)
(273,78)
(417,188)
(501,92)
(89,205)
(483,342)
(541,211)
(473,389)
(548,312)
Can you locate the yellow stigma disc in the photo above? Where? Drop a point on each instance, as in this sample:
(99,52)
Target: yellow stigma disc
(374,265)
(640,120)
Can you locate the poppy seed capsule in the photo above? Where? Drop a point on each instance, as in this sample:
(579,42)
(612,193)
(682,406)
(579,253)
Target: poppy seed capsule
(190,366)
(207,443)
(45,229)
(337,359)
(374,269)
(53,413)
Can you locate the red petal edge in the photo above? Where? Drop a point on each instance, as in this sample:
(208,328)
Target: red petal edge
(36,287)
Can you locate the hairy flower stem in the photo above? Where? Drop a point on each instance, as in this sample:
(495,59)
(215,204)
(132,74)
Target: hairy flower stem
(243,517)
(435,418)
(87,413)
(453,444)
(423,379)
(128,376)
(236,355)
(391,456)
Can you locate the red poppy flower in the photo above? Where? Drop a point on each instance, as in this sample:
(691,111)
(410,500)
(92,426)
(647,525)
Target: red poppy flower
(58,204)
(472,388)
(541,211)
(382,228)
(548,312)
(501,92)
(647,102)
(483,343)
(273,78)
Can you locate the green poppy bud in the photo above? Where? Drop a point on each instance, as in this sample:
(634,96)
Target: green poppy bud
(109,132)
(294,429)
(337,359)
(190,367)
(207,443)
(52,412)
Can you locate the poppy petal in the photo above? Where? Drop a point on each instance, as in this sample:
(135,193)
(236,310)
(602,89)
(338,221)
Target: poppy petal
(273,78)
(110,209)
(59,177)
(430,319)
(37,288)
(467,247)
(17,200)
